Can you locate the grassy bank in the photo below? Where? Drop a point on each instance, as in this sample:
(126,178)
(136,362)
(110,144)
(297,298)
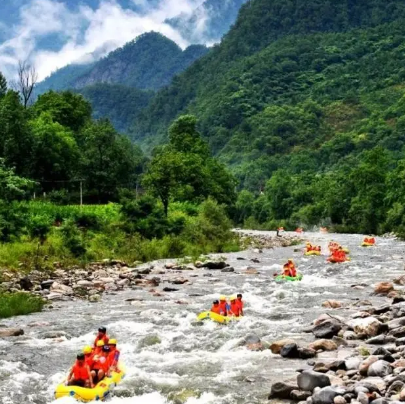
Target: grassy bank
(15,304)
(44,233)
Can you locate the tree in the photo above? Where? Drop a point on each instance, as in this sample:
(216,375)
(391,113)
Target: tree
(27,79)
(3,85)
(15,137)
(183,170)
(109,162)
(68,109)
(55,155)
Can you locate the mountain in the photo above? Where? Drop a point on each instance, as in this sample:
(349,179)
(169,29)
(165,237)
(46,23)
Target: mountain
(304,99)
(148,62)
(208,22)
(242,67)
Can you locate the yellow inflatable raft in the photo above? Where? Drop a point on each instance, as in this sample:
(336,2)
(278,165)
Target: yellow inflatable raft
(367,244)
(312,252)
(99,393)
(218,318)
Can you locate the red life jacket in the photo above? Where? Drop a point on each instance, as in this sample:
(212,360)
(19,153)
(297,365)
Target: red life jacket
(104,338)
(114,356)
(222,308)
(216,309)
(240,303)
(102,363)
(293,272)
(89,360)
(235,309)
(80,372)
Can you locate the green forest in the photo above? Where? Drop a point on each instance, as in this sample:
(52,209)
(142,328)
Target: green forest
(304,102)
(73,190)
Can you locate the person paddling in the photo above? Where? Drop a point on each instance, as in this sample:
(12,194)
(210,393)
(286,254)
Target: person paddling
(101,336)
(215,307)
(223,305)
(240,303)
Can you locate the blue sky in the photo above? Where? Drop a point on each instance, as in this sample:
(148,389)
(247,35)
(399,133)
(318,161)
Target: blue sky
(54,33)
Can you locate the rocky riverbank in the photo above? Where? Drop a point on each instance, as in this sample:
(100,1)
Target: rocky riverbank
(91,281)
(354,360)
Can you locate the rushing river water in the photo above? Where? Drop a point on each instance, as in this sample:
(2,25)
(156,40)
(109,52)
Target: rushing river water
(207,358)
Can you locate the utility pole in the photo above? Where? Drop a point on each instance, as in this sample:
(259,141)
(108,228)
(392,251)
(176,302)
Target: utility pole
(81,194)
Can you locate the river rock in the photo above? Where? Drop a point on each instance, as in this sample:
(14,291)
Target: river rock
(276,346)
(228,270)
(47,284)
(100,273)
(383,288)
(327,394)
(289,351)
(281,390)
(253,343)
(306,353)
(62,289)
(323,344)
(11,332)
(396,323)
(106,280)
(339,400)
(327,329)
(166,289)
(214,264)
(395,388)
(379,368)
(94,298)
(381,340)
(363,368)
(368,326)
(26,283)
(400,280)
(299,395)
(362,398)
(54,334)
(402,395)
(398,332)
(123,282)
(332,304)
(84,283)
(373,384)
(349,335)
(353,363)
(308,380)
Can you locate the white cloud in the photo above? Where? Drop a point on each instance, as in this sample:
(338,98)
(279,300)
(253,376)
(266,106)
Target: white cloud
(85,30)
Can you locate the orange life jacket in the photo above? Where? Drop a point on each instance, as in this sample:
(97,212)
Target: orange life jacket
(216,309)
(240,303)
(80,372)
(114,356)
(88,360)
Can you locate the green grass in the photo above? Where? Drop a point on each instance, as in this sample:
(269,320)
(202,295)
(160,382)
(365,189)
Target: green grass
(16,304)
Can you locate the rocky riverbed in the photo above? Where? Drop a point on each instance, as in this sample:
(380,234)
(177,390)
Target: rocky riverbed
(324,324)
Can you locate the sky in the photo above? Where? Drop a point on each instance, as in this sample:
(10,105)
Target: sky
(53,33)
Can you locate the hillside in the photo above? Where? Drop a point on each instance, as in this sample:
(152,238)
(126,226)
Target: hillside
(148,62)
(311,88)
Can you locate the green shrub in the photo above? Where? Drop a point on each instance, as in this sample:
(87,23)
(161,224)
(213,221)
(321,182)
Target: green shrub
(15,304)
(73,239)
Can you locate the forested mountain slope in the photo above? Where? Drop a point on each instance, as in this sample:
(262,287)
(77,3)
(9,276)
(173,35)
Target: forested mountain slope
(148,62)
(303,99)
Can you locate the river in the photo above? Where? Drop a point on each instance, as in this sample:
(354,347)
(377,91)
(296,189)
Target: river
(205,358)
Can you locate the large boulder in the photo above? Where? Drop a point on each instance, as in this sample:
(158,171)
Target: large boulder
(327,394)
(327,329)
(276,346)
(379,368)
(281,390)
(11,332)
(383,288)
(308,380)
(368,326)
(324,345)
(332,304)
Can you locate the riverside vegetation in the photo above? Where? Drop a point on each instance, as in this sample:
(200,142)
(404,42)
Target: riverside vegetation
(50,147)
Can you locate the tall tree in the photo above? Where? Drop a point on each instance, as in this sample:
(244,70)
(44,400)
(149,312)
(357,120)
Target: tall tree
(27,79)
